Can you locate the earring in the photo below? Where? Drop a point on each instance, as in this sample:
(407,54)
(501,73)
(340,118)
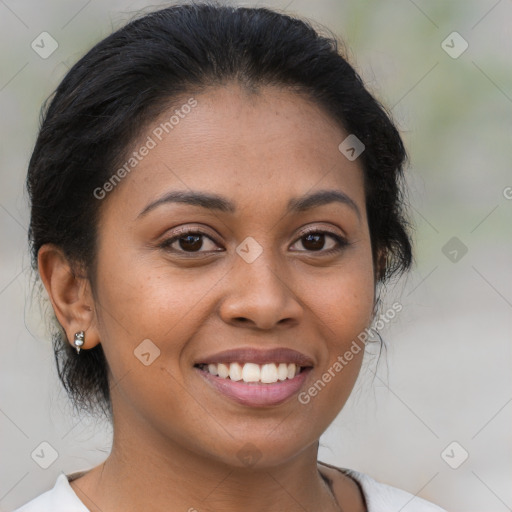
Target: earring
(79,340)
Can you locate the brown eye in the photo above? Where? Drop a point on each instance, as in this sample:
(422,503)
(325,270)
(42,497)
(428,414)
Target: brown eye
(314,241)
(323,242)
(189,242)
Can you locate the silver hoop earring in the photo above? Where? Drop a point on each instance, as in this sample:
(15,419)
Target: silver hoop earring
(79,340)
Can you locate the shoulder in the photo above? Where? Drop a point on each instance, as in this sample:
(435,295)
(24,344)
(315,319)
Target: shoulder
(381,497)
(61,498)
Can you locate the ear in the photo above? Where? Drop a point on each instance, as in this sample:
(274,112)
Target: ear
(380,264)
(378,273)
(70,295)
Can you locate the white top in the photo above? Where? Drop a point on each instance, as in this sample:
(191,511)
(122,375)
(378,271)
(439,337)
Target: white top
(379,498)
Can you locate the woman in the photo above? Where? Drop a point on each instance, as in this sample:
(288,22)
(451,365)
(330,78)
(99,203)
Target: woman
(216,199)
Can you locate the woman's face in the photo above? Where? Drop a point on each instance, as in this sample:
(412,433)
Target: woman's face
(248,281)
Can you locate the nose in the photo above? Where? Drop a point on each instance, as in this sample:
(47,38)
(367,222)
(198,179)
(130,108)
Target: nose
(261,296)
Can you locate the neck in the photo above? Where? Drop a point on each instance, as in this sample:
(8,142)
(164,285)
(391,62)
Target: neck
(144,468)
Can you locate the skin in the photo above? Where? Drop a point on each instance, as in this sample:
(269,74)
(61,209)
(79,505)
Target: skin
(176,439)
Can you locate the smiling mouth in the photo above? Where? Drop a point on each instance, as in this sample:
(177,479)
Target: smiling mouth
(252,373)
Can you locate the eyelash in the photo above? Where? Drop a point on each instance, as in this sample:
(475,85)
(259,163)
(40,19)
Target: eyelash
(341,242)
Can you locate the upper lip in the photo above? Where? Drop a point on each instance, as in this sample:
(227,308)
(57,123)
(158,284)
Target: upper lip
(258,356)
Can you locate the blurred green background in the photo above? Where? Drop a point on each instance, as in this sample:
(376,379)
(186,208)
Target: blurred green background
(446,376)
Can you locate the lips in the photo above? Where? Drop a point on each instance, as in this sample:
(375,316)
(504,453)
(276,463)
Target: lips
(250,355)
(256,377)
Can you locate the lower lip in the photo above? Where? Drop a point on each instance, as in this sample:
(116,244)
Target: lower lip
(254,394)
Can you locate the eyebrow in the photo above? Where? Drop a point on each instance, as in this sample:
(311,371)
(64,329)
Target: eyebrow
(222,204)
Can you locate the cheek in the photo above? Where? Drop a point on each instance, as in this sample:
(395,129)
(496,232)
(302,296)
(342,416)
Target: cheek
(147,312)
(343,306)
(345,299)
(147,299)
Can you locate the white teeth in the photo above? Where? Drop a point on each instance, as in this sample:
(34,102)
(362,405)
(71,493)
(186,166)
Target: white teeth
(235,371)
(282,371)
(222,370)
(251,372)
(268,373)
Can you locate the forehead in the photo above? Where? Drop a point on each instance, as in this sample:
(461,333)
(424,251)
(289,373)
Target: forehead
(256,148)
